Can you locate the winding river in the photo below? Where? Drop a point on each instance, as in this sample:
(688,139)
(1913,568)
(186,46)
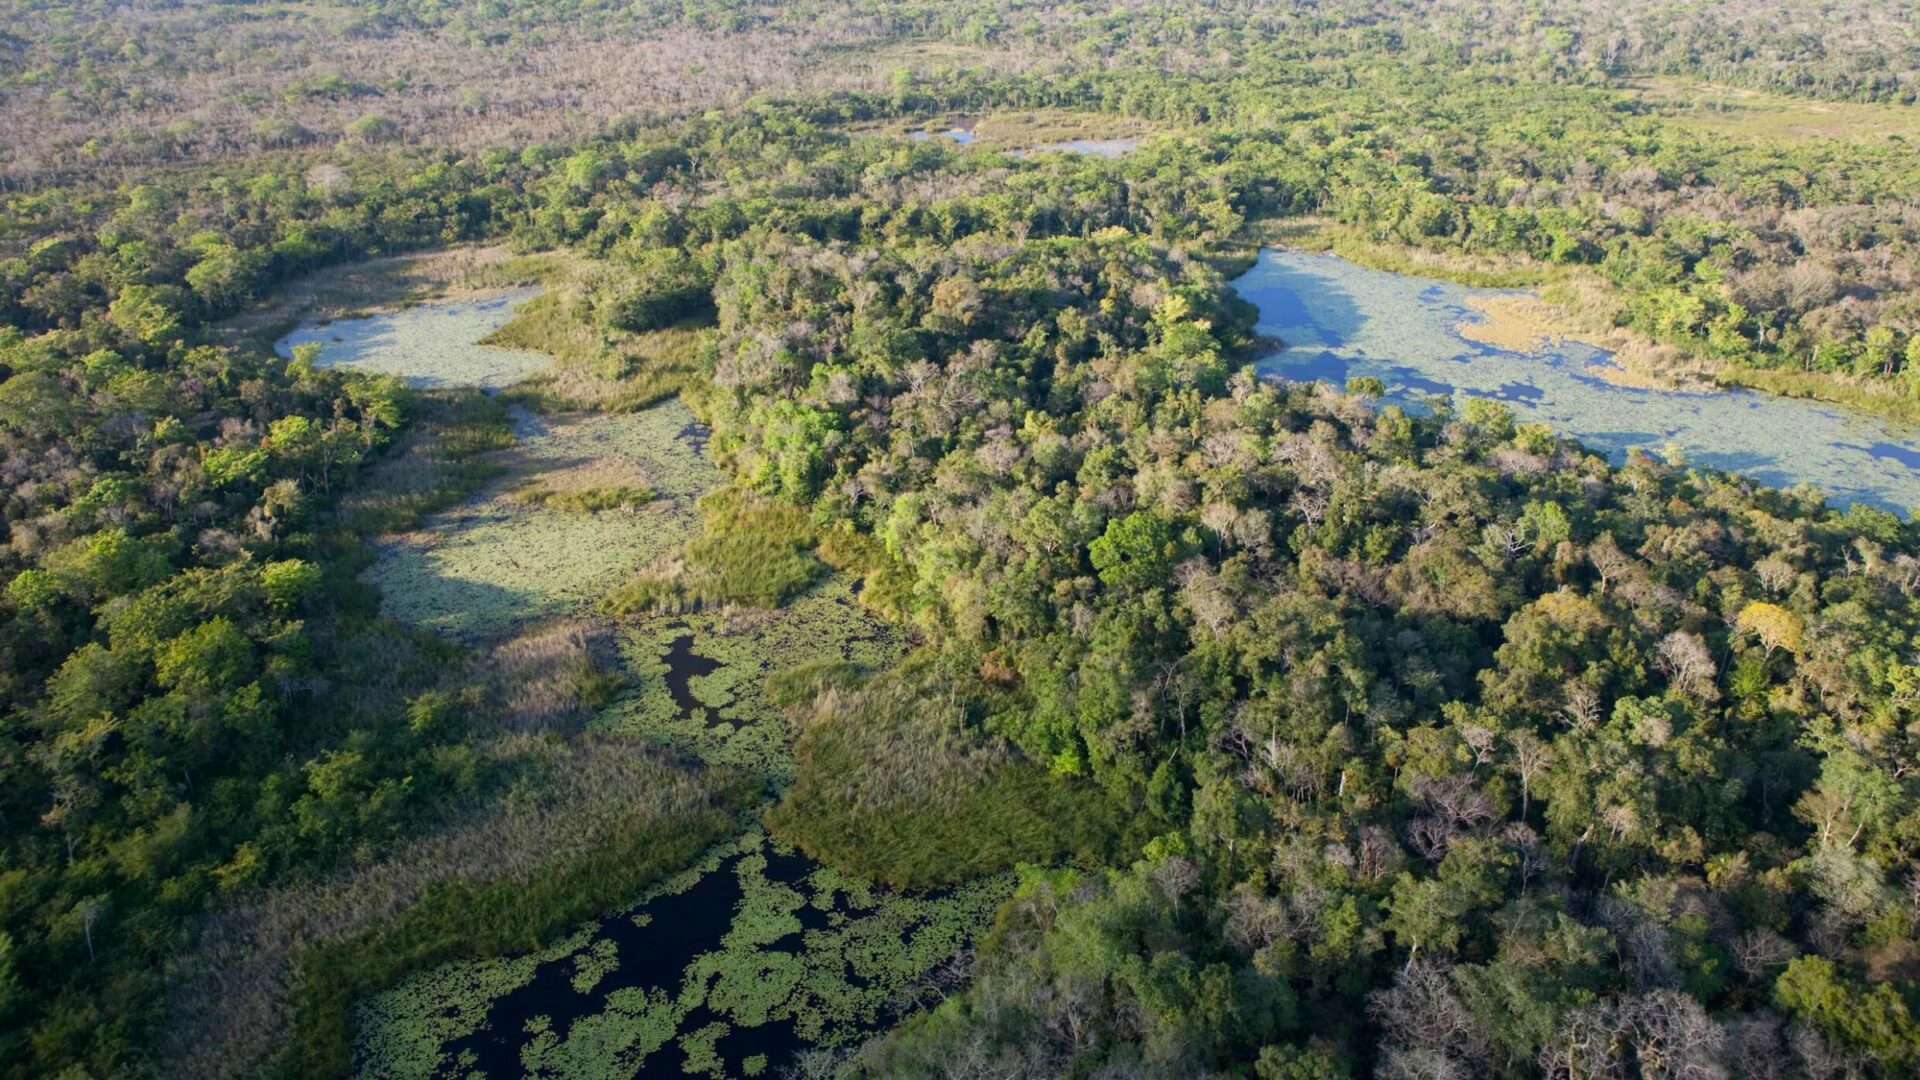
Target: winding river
(1339,319)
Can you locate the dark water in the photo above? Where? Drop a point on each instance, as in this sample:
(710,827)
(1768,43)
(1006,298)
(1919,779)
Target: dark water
(1339,320)
(684,666)
(666,959)
(680,928)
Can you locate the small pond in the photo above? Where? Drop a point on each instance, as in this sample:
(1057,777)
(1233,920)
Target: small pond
(436,343)
(1339,320)
(963,136)
(1106,148)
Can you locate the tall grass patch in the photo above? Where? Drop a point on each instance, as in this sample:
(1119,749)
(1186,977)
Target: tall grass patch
(599,362)
(669,816)
(898,783)
(750,551)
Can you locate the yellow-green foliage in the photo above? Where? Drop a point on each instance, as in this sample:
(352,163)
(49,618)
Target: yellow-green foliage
(597,365)
(1886,398)
(750,551)
(445,454)
(1703,106)
(589,500)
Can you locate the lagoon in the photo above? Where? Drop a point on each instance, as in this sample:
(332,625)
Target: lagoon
(1338,320)
(432,344)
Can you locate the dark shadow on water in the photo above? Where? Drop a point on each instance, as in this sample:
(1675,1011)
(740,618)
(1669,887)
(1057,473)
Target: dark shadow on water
(454,599)
(1515,391)
(695,436)
(684,666)
(1885,451)
(1301,308)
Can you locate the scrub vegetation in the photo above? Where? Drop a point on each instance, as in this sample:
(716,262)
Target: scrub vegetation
(901,584)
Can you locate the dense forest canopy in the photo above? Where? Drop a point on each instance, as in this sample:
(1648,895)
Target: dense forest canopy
(1332,739)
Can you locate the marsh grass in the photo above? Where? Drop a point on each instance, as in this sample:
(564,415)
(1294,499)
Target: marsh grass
(552,678)
(897,783)
(607,814)
(1881,398)
(597,366)
(449,451)
(1699,105)
(662,819)
(583,500)
(227,994)
(750,551)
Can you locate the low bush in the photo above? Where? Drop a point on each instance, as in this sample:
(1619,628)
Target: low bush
(750,552)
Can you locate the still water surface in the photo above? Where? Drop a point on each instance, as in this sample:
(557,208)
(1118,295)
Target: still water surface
(432,344)
(1339,319)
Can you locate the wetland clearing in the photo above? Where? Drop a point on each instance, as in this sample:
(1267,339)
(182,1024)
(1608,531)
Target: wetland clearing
(756,953)
(1339,320)
(436,343)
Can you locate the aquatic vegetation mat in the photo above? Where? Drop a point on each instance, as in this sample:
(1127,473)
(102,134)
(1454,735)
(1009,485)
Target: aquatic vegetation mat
(433,344)
(509,557)
(702,677)
(727,970)
(735,966)
(1340,320)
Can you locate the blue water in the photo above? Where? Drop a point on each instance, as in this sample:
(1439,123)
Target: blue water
(1339,320)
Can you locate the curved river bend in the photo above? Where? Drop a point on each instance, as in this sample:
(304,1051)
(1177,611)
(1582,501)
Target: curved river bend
(1339,319)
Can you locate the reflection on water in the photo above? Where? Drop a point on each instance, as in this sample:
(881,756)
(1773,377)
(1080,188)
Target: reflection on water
(1339,320)
(430,344)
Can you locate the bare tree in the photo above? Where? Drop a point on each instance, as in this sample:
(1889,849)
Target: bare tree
(1658,1035)
(1688,664)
